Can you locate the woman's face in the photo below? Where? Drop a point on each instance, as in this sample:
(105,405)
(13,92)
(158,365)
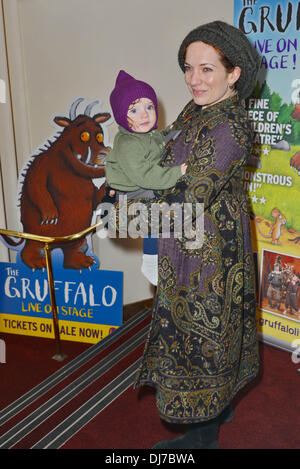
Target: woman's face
(206,76)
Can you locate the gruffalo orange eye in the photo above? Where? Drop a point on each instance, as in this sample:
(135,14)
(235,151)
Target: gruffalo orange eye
(85,136)
(99,137)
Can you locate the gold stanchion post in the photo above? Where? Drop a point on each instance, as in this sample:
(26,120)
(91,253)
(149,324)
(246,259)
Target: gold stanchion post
(47,242)
(59,356)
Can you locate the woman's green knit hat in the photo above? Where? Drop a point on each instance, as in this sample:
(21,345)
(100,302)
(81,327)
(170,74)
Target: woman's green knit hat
(234,45)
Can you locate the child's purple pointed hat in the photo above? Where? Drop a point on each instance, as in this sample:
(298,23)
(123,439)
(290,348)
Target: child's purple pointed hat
(127,90)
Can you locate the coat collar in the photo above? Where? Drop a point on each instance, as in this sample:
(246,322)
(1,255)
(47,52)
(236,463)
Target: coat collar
(193,110)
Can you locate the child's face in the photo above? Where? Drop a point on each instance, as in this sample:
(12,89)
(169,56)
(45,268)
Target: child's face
(141,115)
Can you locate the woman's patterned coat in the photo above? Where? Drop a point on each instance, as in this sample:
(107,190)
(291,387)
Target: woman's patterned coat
(202,346)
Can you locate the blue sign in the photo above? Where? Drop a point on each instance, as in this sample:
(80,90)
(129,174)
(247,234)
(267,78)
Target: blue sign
(86,296)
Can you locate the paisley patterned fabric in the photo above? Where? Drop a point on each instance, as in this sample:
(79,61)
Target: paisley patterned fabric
(202,345)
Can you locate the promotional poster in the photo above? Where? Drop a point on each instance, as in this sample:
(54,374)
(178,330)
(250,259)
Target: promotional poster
(59,191)
(272,179)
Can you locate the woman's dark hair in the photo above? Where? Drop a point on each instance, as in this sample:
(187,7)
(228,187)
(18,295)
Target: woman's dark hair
(226,63)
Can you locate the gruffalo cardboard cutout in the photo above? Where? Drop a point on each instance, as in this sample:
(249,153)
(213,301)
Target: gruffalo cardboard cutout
(59,190)
(57,193)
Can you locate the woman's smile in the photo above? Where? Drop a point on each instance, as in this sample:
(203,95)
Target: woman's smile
(197,92)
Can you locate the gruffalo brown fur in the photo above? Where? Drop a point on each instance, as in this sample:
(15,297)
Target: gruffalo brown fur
(58,196)
(295,162)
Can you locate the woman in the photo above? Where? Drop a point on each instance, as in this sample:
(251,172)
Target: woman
(202,346)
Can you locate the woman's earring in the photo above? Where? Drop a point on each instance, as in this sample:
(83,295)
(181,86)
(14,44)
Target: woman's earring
(230,87)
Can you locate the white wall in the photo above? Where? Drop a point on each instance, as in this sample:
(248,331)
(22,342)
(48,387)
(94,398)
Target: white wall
(61,49)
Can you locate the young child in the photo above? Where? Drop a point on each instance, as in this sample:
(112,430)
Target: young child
(132,166)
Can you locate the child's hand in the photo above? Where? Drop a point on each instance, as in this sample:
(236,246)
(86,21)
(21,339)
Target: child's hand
(183,168)
(109,195)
